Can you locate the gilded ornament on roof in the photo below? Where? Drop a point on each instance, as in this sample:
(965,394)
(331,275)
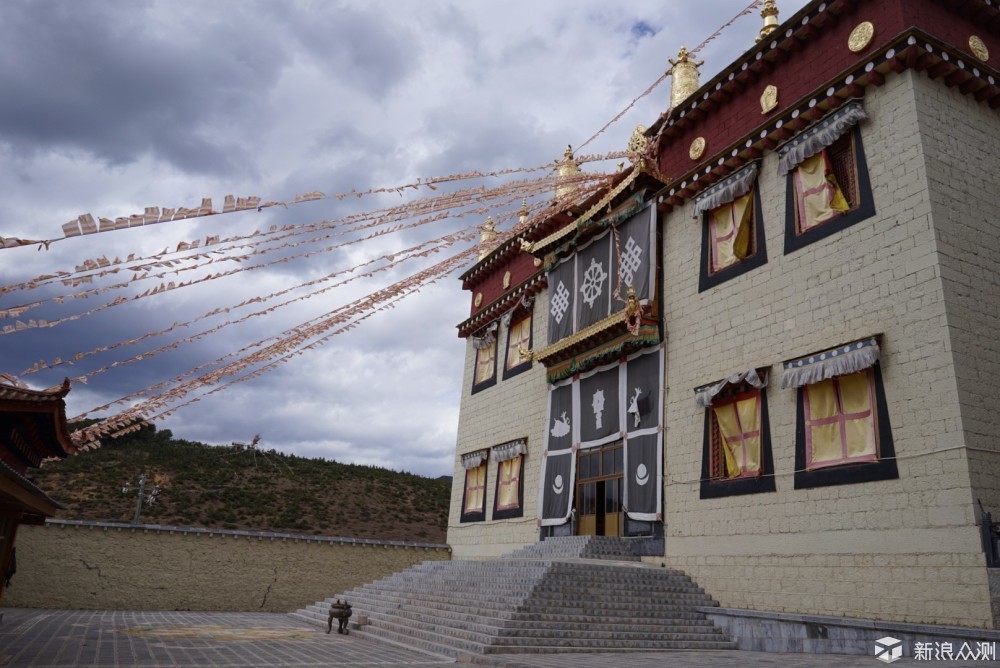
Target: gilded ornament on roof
(506,280)
(978,48)
(769,99)
(487,237)
(639,142)
(565,171)
(697,148)
(770,16)
(861,37)
(684,77)
(478,300)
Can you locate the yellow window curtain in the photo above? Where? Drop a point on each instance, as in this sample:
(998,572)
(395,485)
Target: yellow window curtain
(731,230)
(738,420)
(475,485)
(485,362)
(520,336)
(818,197)
(839,421)
(510,478)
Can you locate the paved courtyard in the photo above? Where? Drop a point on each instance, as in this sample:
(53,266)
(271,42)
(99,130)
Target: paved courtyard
(106,639)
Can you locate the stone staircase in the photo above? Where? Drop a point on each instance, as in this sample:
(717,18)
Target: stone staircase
(573,594)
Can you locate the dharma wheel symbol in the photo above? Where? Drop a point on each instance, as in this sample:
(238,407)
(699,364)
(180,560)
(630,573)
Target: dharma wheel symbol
(593,282)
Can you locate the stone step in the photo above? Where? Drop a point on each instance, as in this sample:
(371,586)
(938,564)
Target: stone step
(576,594)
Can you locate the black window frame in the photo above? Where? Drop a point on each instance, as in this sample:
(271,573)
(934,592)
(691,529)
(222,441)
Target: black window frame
(848,474)
(715,488)
(863,210)
(708,280)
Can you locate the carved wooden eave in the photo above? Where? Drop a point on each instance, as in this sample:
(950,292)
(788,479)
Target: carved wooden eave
(512,247)
(908,48)
(597,344)
(505,303)
(595,208)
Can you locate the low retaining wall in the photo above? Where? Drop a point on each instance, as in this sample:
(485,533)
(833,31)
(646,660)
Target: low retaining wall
(821,634)
(105,566)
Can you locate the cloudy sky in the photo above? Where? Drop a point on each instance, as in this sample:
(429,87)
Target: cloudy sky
(111,106)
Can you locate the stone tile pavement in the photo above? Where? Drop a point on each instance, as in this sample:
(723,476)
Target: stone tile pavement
(32,638)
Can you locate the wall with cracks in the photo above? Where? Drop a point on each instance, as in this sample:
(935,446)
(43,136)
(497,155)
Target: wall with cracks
(103,566)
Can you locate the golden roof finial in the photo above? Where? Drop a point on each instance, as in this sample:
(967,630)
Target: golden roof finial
(684,76)
(770,16)
(523,214)
(565,171)
(487,237)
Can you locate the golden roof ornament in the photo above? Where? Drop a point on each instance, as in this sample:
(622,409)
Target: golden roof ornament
(522,216)
(638,143)
(684,76)
(565,171)
(770,16)
(487,237)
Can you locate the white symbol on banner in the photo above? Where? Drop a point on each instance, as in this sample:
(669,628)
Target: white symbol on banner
(598,405)
(631,260)
(593,282)
(557,484)
(560,427)
(641,475)
(633,405)
(560,302)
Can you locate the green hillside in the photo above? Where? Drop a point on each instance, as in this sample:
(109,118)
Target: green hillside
(234,488)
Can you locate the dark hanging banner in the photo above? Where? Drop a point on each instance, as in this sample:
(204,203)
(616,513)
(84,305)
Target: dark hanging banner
(562,300)
(635,264)
(642,392)
(593,283)
(599,406)
(642,479)
(560,427)
(557,488)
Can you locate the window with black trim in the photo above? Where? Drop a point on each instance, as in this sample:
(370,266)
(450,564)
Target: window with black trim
(474,498)
(843,434)
(828,192)
(732,240)
(736,448)
(485,370)
(509,498)
(519,338)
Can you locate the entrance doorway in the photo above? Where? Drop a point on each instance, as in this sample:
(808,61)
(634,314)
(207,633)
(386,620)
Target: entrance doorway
(599,490)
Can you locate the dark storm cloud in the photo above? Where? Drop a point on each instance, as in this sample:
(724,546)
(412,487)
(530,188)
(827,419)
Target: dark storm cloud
(122,84)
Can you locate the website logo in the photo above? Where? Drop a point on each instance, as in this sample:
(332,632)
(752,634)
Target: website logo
(888,649)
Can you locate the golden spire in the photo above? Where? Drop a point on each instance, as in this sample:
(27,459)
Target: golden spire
(770,16)
(566,170)
(522,216)
(684,76)
(487,237)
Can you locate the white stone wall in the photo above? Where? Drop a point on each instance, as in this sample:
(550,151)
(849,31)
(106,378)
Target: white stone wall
(509,410)
(906,549)
(962,153)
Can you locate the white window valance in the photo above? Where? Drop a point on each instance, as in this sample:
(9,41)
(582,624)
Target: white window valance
(705,395)
(824,133)
(726,191)
(839,361)
(508,451)
(486,337)
(474,459)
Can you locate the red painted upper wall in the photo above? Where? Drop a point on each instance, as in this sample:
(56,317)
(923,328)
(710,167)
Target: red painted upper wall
(521,267)
(803,67)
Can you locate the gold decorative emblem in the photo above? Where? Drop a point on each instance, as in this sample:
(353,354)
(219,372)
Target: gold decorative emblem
(861,37)
(506,280)
(697,148)
(978,48)
(478,300)
(538,262)
(639,142)
(769,99)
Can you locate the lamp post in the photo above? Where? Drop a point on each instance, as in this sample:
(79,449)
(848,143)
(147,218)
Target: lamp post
(141,495)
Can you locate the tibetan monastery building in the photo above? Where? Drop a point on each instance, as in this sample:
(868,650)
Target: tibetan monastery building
(767,352)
